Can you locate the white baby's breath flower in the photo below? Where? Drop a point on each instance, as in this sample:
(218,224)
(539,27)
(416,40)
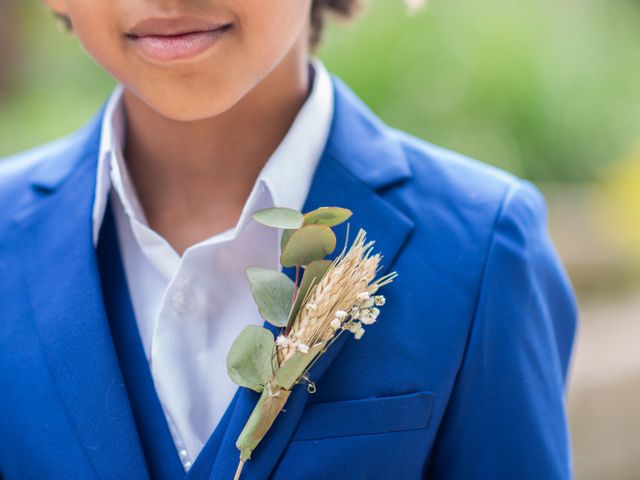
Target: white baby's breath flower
(363,296)
(282,341)
(366,318)
(359,333)
(354,312)
(367,303)
(341,314)
(379,300)
(303,348)
(353,327)
(336,323)
(374,312)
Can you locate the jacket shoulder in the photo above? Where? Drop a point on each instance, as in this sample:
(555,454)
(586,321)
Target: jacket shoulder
(43,166)
(458,193)
(457,180)
(459,206)
(18,172)
(20,166)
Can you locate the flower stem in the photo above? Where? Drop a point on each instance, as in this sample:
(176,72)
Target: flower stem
(295,296)
(295,284)
(239,470)
(269,405)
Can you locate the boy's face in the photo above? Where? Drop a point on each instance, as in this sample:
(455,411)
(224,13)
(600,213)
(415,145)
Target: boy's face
(199,63)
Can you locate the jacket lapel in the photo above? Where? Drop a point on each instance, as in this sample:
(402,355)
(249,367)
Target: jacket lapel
(66,301)
(359,163)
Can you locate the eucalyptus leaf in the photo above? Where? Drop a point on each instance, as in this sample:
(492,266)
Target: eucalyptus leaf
(313,273)
(249,359)
(291,371)
(312,242)
(279,217)
(329,216)
(286,235)
(273,293)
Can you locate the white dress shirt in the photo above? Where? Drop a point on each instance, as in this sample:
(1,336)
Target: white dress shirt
(190,309)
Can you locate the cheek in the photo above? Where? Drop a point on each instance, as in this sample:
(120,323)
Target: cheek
(101,37)
(271,27)
(269,30)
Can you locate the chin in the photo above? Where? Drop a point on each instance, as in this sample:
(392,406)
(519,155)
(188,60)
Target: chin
(188,113)
(192,105)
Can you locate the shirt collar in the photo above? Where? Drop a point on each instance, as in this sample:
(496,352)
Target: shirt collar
(287,174)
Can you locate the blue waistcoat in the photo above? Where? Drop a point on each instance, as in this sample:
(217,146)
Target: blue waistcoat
(462,377)
(155,439)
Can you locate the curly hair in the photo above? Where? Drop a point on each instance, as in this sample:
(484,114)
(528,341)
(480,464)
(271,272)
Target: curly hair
(319,11)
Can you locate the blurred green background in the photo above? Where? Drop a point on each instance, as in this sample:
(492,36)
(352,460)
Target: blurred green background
(547,89)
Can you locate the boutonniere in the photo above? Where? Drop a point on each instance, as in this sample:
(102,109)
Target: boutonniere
(327,299)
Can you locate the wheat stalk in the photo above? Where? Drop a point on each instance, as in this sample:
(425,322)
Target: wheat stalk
(347,284)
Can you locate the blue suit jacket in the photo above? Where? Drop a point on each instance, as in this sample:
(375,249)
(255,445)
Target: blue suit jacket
(463,377)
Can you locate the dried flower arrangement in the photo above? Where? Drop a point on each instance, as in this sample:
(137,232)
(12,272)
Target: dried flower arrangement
(332,297)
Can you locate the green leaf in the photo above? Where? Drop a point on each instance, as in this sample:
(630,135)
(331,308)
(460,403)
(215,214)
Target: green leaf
(307,244)
(329,216)
(286,235)
(249,360)
(273,293)
(291,371)
(279,217)
(313,273)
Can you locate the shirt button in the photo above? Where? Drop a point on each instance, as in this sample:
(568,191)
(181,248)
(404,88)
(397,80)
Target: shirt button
(184,458)
(183,300)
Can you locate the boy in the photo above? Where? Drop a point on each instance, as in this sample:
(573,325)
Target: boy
(124,248)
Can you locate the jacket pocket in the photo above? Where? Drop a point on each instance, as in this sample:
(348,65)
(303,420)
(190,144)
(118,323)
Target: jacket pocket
(366,416)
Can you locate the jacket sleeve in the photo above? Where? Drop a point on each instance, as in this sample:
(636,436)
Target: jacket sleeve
(506,415)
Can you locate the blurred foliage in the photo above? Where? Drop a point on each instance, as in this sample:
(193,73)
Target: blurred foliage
(56,86)
(547,89)
(618,207)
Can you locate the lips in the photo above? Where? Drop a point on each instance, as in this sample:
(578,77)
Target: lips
(170,39)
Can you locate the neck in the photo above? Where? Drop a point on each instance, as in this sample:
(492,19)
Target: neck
(193,178)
